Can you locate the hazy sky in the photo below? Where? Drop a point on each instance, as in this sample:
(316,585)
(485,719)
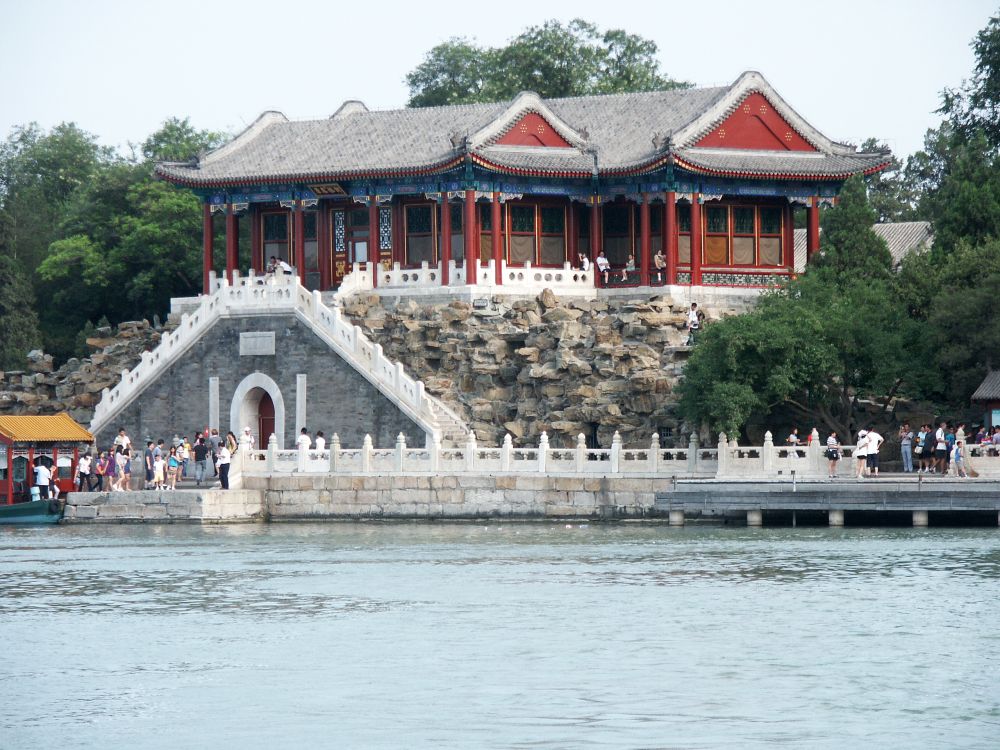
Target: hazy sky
(118,69)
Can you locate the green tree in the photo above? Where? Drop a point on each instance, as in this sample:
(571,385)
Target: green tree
(553,60)
(890,192)
(817,346)
(18,322)
(974,107)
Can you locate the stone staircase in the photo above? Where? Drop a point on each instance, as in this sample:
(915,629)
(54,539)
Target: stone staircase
(248,296)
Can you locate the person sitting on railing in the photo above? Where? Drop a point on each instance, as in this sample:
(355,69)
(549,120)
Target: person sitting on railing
(660,263)
(629,267)
(320,441)
(603,266)
(284,267)
(304,442)
(272,265)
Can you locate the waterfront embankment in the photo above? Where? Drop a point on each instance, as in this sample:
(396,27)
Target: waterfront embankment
(533,497)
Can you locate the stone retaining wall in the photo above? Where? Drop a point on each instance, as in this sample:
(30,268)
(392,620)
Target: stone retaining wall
(408,496)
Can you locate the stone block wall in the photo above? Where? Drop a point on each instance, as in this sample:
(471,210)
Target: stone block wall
(338,399)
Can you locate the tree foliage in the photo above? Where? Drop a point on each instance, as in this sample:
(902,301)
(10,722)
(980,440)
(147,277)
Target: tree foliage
(553,60)
(18,322)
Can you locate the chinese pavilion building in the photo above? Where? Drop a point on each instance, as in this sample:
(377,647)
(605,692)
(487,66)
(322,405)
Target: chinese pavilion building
(709,177)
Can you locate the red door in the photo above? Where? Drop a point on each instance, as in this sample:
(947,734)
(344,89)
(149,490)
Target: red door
(265,420)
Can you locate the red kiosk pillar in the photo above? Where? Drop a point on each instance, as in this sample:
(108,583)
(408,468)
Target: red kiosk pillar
(10,473)
(445,238)
(373,237)
(644,241)
(595,237)
(300,245)
(207,240)
(470,229)
(812,231)
(495,237)
(670,231)
(232,242)
(696,233)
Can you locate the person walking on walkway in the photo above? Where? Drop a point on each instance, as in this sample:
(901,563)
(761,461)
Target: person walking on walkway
(861,453)
(874,443)
(906,447)
(223,466)
(200,460)
(833,453)
(941,448)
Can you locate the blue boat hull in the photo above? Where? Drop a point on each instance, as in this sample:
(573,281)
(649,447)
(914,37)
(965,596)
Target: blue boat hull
(33,511)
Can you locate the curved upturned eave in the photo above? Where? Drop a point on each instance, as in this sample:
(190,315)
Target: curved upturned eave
(763,175)
(360,174)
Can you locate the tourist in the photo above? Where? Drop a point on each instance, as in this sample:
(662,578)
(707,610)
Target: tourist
(693,323)
(184,454)
(284,268)
(246,440)
(660,263)
(230,442)
(120,461)
(223,464)
(861,453)
(200,460)
(320,441)
(793,443)
(173,469)
(603,266)
(127,468)
(906,447)
(629,267)
(584,262)
(102,468)
(214,443)
(147,459)
(958,459)
(272,265)
(940,448)
(159,467)
(43,478)
(833,453)
(122,439)
(874,443)
(980,436)
(949,441)
(304,442)
(83,473)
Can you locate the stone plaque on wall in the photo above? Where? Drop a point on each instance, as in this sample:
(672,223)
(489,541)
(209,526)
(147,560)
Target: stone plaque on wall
(257,343)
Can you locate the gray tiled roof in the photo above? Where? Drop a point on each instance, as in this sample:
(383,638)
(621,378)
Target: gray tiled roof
(989,389)
(627,131)
(902,238)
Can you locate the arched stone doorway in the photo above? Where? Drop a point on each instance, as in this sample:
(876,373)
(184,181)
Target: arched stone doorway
(257,404)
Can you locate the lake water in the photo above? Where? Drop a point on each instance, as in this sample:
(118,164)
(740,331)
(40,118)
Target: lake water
(498,636)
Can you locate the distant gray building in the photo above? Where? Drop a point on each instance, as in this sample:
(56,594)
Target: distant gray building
(902,237)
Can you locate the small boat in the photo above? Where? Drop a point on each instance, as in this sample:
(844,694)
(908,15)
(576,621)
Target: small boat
(32,511)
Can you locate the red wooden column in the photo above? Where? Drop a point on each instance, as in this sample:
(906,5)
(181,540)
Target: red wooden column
(298,229)
(323,242)
(10,473)
(470,229)
(232,242)
(257,260)
(572,235)
(788,238)
(696,234)
(812,231)
(373,239)
(644,241)
(670,230)
(207,240)
(495,237)
(595,237)
(445,253)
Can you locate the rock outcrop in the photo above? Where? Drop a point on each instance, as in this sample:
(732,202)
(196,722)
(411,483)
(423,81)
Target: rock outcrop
(563,366)
(76,386)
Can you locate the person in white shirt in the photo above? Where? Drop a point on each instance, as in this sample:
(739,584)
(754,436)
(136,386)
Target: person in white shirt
(833,453)
(861,452)
(874,443)
(223,464)
(43,478)
(693,323)
(122,439)
(304,442)
(83,473)
(320,441)
(584,262)
(603,265)
(284,267)
(940,449)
